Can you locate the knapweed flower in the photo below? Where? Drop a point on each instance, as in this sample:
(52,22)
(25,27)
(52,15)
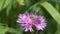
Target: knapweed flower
(31,22)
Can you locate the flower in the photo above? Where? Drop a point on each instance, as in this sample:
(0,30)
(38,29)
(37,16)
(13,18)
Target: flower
(31,22)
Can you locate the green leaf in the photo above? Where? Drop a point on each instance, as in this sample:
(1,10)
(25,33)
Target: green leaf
(1,4)
(53,12)
(8,9)
(19,31)
(4,3)
(56,1)
(7,2)
(21,2)
(36,9)
(12,30)
(3,29)
(28,3)
(57,6)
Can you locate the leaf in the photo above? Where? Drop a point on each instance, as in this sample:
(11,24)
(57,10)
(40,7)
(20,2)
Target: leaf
(33,9)
(7,2)
(4,3)
(12,30)
(21,2)
(19,31)
(36,9)
(53,12)
(8,9)
(28,3)
(1,4)
(57,5)
(56,1)
(3,29)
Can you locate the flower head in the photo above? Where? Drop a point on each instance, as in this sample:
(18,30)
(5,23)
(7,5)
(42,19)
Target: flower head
(31,22)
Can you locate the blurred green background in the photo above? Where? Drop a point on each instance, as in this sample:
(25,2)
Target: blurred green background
(10,9)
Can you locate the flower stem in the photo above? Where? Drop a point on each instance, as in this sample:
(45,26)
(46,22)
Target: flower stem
(36,32)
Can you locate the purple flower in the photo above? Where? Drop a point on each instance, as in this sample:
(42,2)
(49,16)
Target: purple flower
(31,22)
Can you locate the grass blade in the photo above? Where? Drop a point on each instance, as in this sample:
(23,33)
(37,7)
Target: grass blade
(53,12)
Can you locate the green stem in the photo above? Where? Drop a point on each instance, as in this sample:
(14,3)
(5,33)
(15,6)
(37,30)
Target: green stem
(36,32)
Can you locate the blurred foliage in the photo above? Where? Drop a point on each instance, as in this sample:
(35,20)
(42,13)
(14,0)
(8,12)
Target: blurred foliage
(10,9)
